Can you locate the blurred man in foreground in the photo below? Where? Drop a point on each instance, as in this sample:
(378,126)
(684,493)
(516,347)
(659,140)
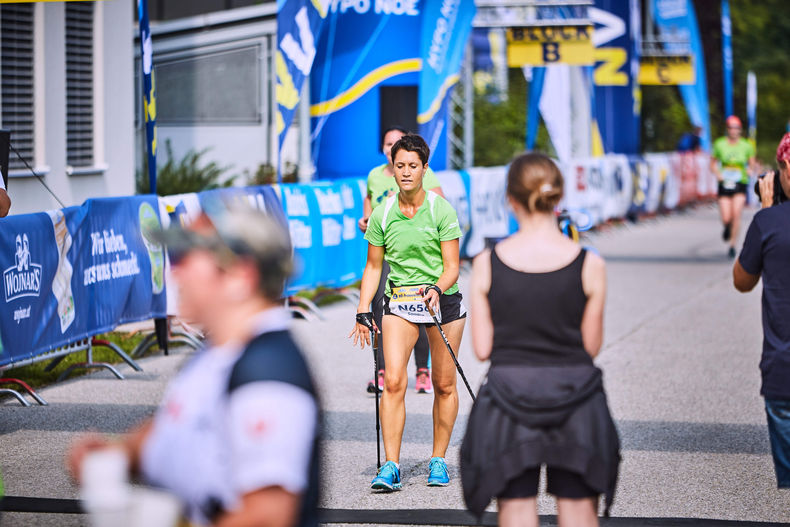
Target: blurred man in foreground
(235,437)
(766,254)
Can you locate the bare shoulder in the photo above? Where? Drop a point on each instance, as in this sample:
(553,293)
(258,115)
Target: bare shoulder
(482,261)
(594,262)
(593,273)
(481,270)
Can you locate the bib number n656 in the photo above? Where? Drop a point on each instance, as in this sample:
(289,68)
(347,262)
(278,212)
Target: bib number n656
(406,302)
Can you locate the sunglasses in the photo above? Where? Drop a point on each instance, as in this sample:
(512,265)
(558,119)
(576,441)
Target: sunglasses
(225,256)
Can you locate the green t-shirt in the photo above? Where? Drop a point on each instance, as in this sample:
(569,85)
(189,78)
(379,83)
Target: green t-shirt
(734,158)
(380,185)
(412,247)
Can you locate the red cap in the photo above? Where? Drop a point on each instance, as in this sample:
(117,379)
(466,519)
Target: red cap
(732,121)
(783,150)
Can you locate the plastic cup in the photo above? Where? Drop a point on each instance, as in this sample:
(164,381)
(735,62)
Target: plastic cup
(105,490)
(154,508)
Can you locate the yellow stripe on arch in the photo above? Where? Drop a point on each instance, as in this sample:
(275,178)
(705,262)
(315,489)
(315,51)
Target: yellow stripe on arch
(364,85)
(437,102)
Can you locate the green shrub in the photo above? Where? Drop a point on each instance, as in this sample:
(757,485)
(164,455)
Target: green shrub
(188,174)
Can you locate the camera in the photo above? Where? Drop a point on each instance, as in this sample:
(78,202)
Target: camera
(779,194)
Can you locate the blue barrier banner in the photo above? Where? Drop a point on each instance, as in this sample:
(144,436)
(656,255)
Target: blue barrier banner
(328,247)
(72,273)
(677,22)
(446,25)
(299,24)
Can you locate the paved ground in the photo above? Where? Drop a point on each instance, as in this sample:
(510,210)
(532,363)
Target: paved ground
(680,363)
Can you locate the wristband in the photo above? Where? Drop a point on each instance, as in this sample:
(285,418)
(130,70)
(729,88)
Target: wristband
(366,319)
(435,288)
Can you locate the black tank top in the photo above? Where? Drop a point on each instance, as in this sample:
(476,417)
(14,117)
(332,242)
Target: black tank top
(537,316)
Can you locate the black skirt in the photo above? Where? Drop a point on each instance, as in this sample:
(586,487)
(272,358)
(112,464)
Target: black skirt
(526,416)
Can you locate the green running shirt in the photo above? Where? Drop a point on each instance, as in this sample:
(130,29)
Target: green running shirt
(734,158)
(380,185)
(412,247)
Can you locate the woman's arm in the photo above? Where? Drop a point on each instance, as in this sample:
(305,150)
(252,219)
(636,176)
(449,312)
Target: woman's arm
(367,210)
(367,290)
(131,443)
(450,269)
(480,310)
(594,284)
(714,167)
(268,507)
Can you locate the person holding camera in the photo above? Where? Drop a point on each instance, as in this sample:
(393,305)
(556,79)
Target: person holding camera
(416,232)
(537,313)
(765,254)
(731,160)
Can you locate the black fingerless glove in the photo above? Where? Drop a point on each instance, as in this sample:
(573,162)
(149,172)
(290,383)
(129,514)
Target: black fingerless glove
(366,319)
(435,288)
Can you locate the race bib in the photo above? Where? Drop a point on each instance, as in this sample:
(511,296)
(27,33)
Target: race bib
(731,176)
(406,302)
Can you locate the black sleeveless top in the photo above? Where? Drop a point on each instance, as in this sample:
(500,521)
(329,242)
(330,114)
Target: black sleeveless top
(537,316)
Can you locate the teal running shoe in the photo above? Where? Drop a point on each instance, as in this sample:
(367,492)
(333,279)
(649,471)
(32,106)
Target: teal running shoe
(438,476)
(388,478)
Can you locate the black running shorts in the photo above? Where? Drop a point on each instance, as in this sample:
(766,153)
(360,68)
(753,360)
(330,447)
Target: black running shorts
(452,307)
(561,483)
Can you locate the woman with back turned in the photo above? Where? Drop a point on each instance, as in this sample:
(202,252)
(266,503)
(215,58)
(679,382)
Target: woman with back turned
(537,313)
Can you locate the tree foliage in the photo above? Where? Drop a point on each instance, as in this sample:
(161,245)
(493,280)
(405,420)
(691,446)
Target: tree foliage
(500,126)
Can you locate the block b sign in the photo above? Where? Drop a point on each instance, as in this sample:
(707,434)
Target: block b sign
(667,70)
(550,44)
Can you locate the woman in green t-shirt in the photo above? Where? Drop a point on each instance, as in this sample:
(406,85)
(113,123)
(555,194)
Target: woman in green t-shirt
(380,185)
(731,160)
(416,232)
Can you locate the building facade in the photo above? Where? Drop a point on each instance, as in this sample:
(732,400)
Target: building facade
(67,96)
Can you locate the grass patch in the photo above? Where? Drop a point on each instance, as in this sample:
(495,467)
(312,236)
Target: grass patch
(36,376)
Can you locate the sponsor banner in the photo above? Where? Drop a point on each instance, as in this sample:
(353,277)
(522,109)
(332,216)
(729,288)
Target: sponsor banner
(615,75)
(726,55)
(668,180)
(72,273)
(298,26)
(489,63)
(456,186)
(366,48)
(619,187)
(149,90)
(446,25)
(544,45)
(667,70)
(676,21)
(488,214)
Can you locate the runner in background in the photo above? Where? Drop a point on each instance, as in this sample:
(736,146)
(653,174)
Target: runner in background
(381,185)
(731,161)
(416,232)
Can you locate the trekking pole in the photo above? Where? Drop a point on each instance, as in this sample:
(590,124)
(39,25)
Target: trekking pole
(449,348)
(376,386)
(366,319)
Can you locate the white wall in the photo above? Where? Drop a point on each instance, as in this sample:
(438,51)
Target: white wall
(113,170)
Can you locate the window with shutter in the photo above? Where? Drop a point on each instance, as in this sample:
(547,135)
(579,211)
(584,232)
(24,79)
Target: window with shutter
(16,79)
(79,83)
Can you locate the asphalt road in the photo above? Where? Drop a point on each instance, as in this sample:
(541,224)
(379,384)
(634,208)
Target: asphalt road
(680,368)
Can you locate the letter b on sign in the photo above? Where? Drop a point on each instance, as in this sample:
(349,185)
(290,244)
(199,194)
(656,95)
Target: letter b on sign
(551,51)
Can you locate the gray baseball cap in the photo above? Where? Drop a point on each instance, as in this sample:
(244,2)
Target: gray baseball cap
(232,233)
